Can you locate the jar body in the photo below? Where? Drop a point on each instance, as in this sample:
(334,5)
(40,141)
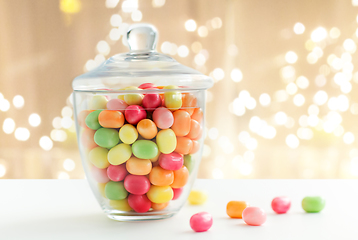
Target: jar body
(140,149)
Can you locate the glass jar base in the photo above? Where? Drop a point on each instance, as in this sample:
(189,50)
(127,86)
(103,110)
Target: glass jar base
(126,217)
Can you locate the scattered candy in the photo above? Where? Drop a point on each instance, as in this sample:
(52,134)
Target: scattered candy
(201,222)
(313,204)
(254,216)
(197,197)
(235,208)
(281,204)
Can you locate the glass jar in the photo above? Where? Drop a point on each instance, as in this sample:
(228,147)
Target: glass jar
(140,123)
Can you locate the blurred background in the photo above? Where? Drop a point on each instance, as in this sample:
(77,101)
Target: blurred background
(284,103)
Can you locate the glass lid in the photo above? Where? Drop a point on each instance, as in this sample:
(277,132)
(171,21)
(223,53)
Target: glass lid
(142,64)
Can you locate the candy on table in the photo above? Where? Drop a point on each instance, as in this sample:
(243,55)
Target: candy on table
(144,149)
(128,134)
(171,161)
(281,204)
(163,118)
(111,119)
(160,194)
(197,197)
(181,177)
(106,137)
(177,192)
(234,209)
(115,191)
(182,123)
(133,98)
(119,154)
(138,166)
(147,129)
(121,205)
(98,157)
(254,216)
(139,203)
(313,204)
(117,173)
(201,222)
(134,114)
(172,99)
(92,120)
(98,102)
(161,177)
(117,104)
(87,138)
(166,141)
(137,184)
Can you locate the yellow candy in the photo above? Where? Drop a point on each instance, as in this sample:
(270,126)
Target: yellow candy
(133,98)
(166,141)
(101,187)
(172,100)
(98,157)
(119,154)
(121,205)
(98,102)
(197,197)
(128,134)
(159,194)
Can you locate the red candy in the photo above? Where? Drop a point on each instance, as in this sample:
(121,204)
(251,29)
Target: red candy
(137,184)
(139,203)
(135,113)
(152,101)
(117,172)
(177,192)
(281,204)
(201,222)
(147,85)
(172,161)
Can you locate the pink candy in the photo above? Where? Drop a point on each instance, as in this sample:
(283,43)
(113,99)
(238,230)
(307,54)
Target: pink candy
(281,204)
(254,216)
(135,113)
(117,172)
(147,85)
(139,203)
(137,184)
(177,193)
(117,104)
(163,118)
(172,161)
(201,222)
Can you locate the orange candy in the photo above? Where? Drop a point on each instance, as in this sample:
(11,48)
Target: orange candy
(197,115)
(159,206)
(180,177)
(184,145)
(81,118)
(111,119)
(235,208)
(181,125)
(87,138)
(138,166)
(195,129)
(189,102)
(161,177)
(147,128)
(195,148)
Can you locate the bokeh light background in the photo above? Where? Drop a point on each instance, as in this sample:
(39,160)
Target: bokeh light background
(284,103)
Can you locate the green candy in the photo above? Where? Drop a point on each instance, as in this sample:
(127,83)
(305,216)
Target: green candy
(106,137)
(92,120)
(115,191)
(313,204)
(145,149)
(189,162)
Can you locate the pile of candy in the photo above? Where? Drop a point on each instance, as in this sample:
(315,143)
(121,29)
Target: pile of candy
(253,216)
(140,146)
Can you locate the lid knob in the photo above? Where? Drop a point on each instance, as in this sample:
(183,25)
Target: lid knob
(142,37)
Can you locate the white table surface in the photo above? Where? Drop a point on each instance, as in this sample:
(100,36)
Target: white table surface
(66,209)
